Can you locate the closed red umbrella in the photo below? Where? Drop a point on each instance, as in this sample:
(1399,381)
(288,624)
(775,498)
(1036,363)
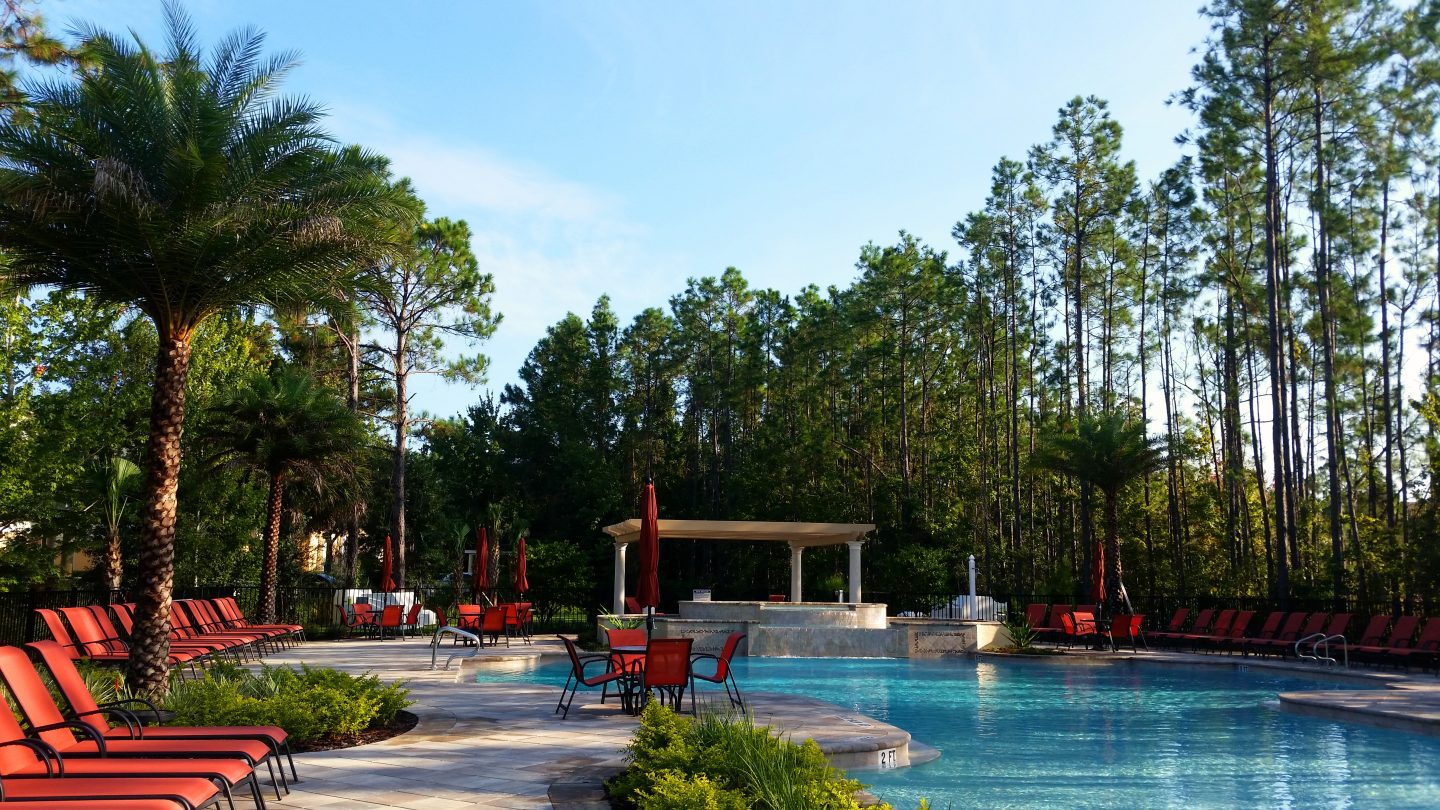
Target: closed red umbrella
(648,592)
(387,568)
(521,583)
(482,562)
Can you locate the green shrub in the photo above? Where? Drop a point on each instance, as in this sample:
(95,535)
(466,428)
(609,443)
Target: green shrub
(716,761)
(672,790)
(309,703)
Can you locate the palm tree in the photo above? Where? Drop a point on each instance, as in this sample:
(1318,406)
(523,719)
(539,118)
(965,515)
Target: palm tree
(288,427)
(1108,451)
(115,478)
(184,188)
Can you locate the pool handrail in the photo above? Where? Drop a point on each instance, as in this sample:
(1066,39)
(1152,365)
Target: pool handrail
(457,633)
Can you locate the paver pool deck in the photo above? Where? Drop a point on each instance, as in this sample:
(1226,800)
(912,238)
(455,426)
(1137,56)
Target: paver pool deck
(500,745)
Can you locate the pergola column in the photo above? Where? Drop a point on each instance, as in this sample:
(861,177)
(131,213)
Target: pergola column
(619,577)
(795,578)
(854,569)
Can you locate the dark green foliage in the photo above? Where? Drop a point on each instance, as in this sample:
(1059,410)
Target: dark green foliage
(309,703)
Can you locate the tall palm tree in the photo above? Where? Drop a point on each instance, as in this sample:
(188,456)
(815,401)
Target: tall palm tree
(1109,451)
(183,187)
(289,428)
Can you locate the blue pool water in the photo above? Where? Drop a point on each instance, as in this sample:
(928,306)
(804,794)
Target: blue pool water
(1029,734)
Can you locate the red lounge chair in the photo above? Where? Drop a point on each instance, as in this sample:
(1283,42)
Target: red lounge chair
(666,670)
(125,614)
(1267,631)
(1035,614)
(1053,627)
(723,674)
(1238,627)
(235,643)
(1334,631)
(1126,627)
(204,619)
(1201,625)
(229,611)
(1294,624)
(89,804)
(102,793)
(101,643)
(232,760)
(578,678)
(84,708)
(1425,647)
(30,769)
(1400,636)
(1197,634)
(1374,633)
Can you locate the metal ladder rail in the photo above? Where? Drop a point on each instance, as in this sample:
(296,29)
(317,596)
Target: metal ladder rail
(1313,640)
(1325,642)
(467,652)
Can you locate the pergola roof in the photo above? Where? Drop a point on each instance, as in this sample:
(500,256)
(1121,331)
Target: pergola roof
(808,535)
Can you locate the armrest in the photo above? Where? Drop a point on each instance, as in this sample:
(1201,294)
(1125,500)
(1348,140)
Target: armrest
(43,751)
(132,723)
(75,725)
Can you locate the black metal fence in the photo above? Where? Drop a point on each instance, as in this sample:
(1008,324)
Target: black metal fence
(317,608)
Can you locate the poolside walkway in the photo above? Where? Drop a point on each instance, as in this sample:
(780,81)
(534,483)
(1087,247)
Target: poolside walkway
(500,745)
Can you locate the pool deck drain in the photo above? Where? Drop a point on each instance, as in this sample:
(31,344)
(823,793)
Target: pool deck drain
(500,745)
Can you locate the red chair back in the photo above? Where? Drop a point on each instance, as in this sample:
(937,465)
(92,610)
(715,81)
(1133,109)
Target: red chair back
(493,621)
(125,614)
(1202,620)
(1339,623)
(1291,629)
(1084,622)
(1374,631)
(1241,624)
(667,662)
(71,684)
(1400,635)
(732,643)
(88,633)
(1035,613)
(1429,637)
(1313,625)
(439,617)
(33,698)
(1057,616)
(413,614)
(1067,624)
(1222,622)
(1177,620)
(58,632)
(469,618)
(1272,623)
(390,616)
(626,637)
(1121,626)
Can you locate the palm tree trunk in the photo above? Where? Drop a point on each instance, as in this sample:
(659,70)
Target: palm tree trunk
(150,639)
(112,558)
(270,565)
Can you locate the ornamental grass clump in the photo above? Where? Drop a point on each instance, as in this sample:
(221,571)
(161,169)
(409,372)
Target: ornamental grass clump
(725,763)
(311,704)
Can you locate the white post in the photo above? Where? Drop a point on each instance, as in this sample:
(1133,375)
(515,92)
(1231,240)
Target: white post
(974,608)
(854,569)
(619,578)
(795,572)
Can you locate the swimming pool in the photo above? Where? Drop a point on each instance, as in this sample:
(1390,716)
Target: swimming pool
(1030,734)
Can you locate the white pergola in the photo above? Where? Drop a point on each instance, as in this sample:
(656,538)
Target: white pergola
(800,536)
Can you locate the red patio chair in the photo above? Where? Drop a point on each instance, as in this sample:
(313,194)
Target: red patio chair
(1126,627)
(469,619)
(204,617)
(1424,649)
(98,644)
(390,617)
(89,804)
(492,624)
(666,671)
(101,793)
(625,662)
(82,707)
(34,701)
(1223,621)
(412,620)
(1053,628)
(1231,635)
(578,678)
(723,675)
(514,624)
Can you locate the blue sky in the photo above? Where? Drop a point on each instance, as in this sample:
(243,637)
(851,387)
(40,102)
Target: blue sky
(623,147)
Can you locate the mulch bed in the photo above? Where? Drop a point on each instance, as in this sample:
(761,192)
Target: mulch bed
(404,721)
